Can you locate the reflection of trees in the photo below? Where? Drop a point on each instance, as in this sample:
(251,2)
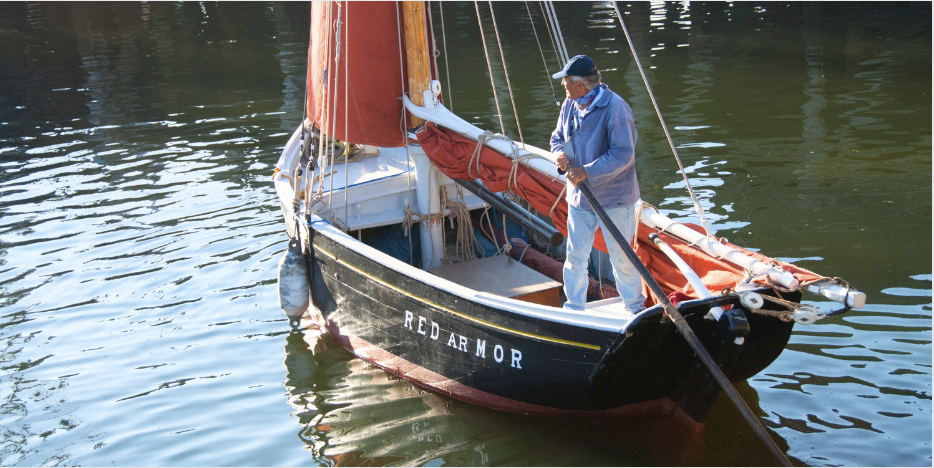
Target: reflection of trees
(109,82)
(100,81)
(293,60)
(116,63)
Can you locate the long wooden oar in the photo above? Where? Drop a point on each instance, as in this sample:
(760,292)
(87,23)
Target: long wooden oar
(683,327)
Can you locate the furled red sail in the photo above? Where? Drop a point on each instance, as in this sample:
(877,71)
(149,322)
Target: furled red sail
(451,152)
(367,75)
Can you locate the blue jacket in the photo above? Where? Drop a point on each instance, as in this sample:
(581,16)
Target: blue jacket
(604,145)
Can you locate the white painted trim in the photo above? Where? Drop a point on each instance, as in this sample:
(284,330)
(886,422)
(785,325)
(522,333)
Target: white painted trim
(598,320)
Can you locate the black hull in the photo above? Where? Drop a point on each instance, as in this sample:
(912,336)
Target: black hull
(497,356)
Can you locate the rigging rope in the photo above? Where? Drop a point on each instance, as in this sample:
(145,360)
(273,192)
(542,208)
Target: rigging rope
(326,90)
(429,34)
(697,206)
(544,62)
(551,34)
(346,152)
(333,120)
(512,100)
(305,150)
(559,38)
(403,126)
(444,43)
(486,54)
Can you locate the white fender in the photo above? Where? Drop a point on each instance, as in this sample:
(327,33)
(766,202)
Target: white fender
(294,292)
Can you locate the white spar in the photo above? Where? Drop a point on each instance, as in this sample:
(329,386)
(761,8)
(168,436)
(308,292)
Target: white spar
(652,218)
(437,113)
(688,273)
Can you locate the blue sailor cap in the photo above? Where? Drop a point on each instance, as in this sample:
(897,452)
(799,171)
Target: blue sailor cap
(580,65)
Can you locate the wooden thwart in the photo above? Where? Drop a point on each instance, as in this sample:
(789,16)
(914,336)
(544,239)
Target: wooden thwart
(503,276)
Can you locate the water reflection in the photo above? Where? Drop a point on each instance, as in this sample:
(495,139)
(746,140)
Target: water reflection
(131,194)
(352,413)
(139,233)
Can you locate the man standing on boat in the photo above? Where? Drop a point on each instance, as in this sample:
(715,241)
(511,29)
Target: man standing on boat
(598,125)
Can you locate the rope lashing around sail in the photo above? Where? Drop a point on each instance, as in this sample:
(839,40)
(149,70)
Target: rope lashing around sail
(514,172)
(558,199)
(511,182)
(481,141)
(793,311)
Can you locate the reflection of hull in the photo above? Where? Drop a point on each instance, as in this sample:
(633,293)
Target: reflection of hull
(356,414)
(521,357)
(351,409)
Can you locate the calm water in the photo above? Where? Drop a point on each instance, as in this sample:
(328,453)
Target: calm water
(139,232)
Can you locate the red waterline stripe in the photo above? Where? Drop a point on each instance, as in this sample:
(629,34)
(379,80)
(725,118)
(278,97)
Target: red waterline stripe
(440,384)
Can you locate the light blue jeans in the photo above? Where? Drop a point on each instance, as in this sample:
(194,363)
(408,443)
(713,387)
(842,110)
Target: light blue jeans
(582,228)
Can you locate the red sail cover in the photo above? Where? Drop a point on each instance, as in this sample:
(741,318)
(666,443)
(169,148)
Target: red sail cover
(451,152)
(368,67)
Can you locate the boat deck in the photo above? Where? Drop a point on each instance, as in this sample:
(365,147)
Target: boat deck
(378,189)
(503,276)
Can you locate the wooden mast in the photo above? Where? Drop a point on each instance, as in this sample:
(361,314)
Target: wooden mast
(428,178)
(416,54)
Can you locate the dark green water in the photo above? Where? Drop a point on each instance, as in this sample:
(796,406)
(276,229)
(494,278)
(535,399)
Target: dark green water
(139,232)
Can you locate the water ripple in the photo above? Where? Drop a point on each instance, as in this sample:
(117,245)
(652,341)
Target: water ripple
(139,235)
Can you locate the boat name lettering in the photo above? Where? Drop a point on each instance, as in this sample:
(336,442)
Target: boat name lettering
(459,342)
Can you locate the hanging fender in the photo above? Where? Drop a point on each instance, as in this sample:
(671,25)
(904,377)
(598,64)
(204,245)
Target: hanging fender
(294,291)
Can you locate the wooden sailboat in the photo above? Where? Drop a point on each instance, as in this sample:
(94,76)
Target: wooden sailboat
(368,190)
